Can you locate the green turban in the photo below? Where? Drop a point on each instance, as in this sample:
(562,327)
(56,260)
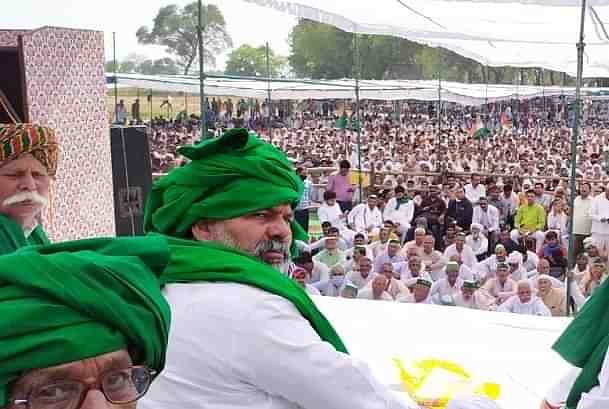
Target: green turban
(66,302)
(228,177)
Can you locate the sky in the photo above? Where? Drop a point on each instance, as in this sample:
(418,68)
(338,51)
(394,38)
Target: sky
(246,23)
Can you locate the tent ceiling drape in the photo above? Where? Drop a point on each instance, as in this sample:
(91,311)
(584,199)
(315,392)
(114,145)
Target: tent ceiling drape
(521,33)
(465,94)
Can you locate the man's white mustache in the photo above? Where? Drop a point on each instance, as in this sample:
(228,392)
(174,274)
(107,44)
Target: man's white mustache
(25,197)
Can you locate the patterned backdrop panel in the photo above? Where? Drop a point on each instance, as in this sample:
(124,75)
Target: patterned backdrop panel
(66,90)
(9,38)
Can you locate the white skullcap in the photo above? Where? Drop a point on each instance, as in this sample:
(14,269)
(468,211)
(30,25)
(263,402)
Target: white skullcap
(475,402)
(514,257)
(476,225)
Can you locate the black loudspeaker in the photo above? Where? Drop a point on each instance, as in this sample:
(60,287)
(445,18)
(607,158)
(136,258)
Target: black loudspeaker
(132,177)
(12,84)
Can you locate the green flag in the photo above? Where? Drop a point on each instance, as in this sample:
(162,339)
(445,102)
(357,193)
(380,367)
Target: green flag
(585,341)
(482,133)
(342,121)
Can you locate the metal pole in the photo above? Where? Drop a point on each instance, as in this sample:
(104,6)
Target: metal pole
(269,104)
(580,67)
(439,113)
(115,80)
(150,104)
(359,122)
(202,102)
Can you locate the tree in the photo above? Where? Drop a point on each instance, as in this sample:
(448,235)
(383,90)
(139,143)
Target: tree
(250,61)
(165,66)
(176,29)
(320,51)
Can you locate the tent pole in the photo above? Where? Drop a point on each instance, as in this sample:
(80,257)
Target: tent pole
(439,113)
(202,104)
(578,84)
(359,122)
(150,106)
(269,104)
(115,80)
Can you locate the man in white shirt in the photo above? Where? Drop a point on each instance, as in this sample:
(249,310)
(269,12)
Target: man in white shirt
(329,211)
(216,325)
(474,190)
(582,222)
(363,275)
(470,297)
(419,294)
(517,272)
(488,267)
(410,271)
(376,290)
(502,286)
(487,216)
(477,242)
(525,302)
(389,256)
(599,213)
(433,260)
(300,275)
(400,210)
(462,250)
(417,243)
(444,290)
(366,217)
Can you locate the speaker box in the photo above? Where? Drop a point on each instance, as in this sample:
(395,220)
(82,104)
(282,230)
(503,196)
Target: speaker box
(132,177)
(12,83)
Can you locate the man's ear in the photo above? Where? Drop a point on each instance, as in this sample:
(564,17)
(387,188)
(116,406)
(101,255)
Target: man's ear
(201,231)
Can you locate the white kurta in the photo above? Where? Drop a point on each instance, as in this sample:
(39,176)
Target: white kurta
(403,215)
(533,307)
(362,218)
(467,254)
(232,346)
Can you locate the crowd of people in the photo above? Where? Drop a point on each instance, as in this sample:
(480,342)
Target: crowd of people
(210,309)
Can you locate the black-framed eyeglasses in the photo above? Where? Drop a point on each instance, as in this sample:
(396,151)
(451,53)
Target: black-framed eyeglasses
(119,386)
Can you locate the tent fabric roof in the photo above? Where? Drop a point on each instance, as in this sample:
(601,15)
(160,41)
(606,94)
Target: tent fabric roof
(465,94)
(521,33)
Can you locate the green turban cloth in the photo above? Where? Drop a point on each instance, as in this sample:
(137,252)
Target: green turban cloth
(204,261)
(66,302)
(227,177)
(585,342)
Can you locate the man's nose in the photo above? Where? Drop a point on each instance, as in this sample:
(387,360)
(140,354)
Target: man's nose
(95,399)
(27,182)
(279,229)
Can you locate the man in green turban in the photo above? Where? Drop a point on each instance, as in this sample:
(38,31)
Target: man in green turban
(84,324)
(28,161)
(244,335)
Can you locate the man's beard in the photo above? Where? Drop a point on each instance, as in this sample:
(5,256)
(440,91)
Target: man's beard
(260,250)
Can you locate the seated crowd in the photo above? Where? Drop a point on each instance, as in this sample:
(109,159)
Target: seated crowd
(454,245)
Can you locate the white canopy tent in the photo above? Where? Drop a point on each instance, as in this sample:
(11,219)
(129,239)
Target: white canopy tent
(465,94)
(521,33)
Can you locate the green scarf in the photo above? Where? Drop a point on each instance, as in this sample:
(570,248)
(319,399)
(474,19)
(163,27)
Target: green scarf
(228,177)
(585,342)
(66,302)
(401,201)
(12,237)
(193,261)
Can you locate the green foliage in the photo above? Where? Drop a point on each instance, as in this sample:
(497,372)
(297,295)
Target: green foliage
(165,66)
(251,61)
(322,51)
(176,29)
